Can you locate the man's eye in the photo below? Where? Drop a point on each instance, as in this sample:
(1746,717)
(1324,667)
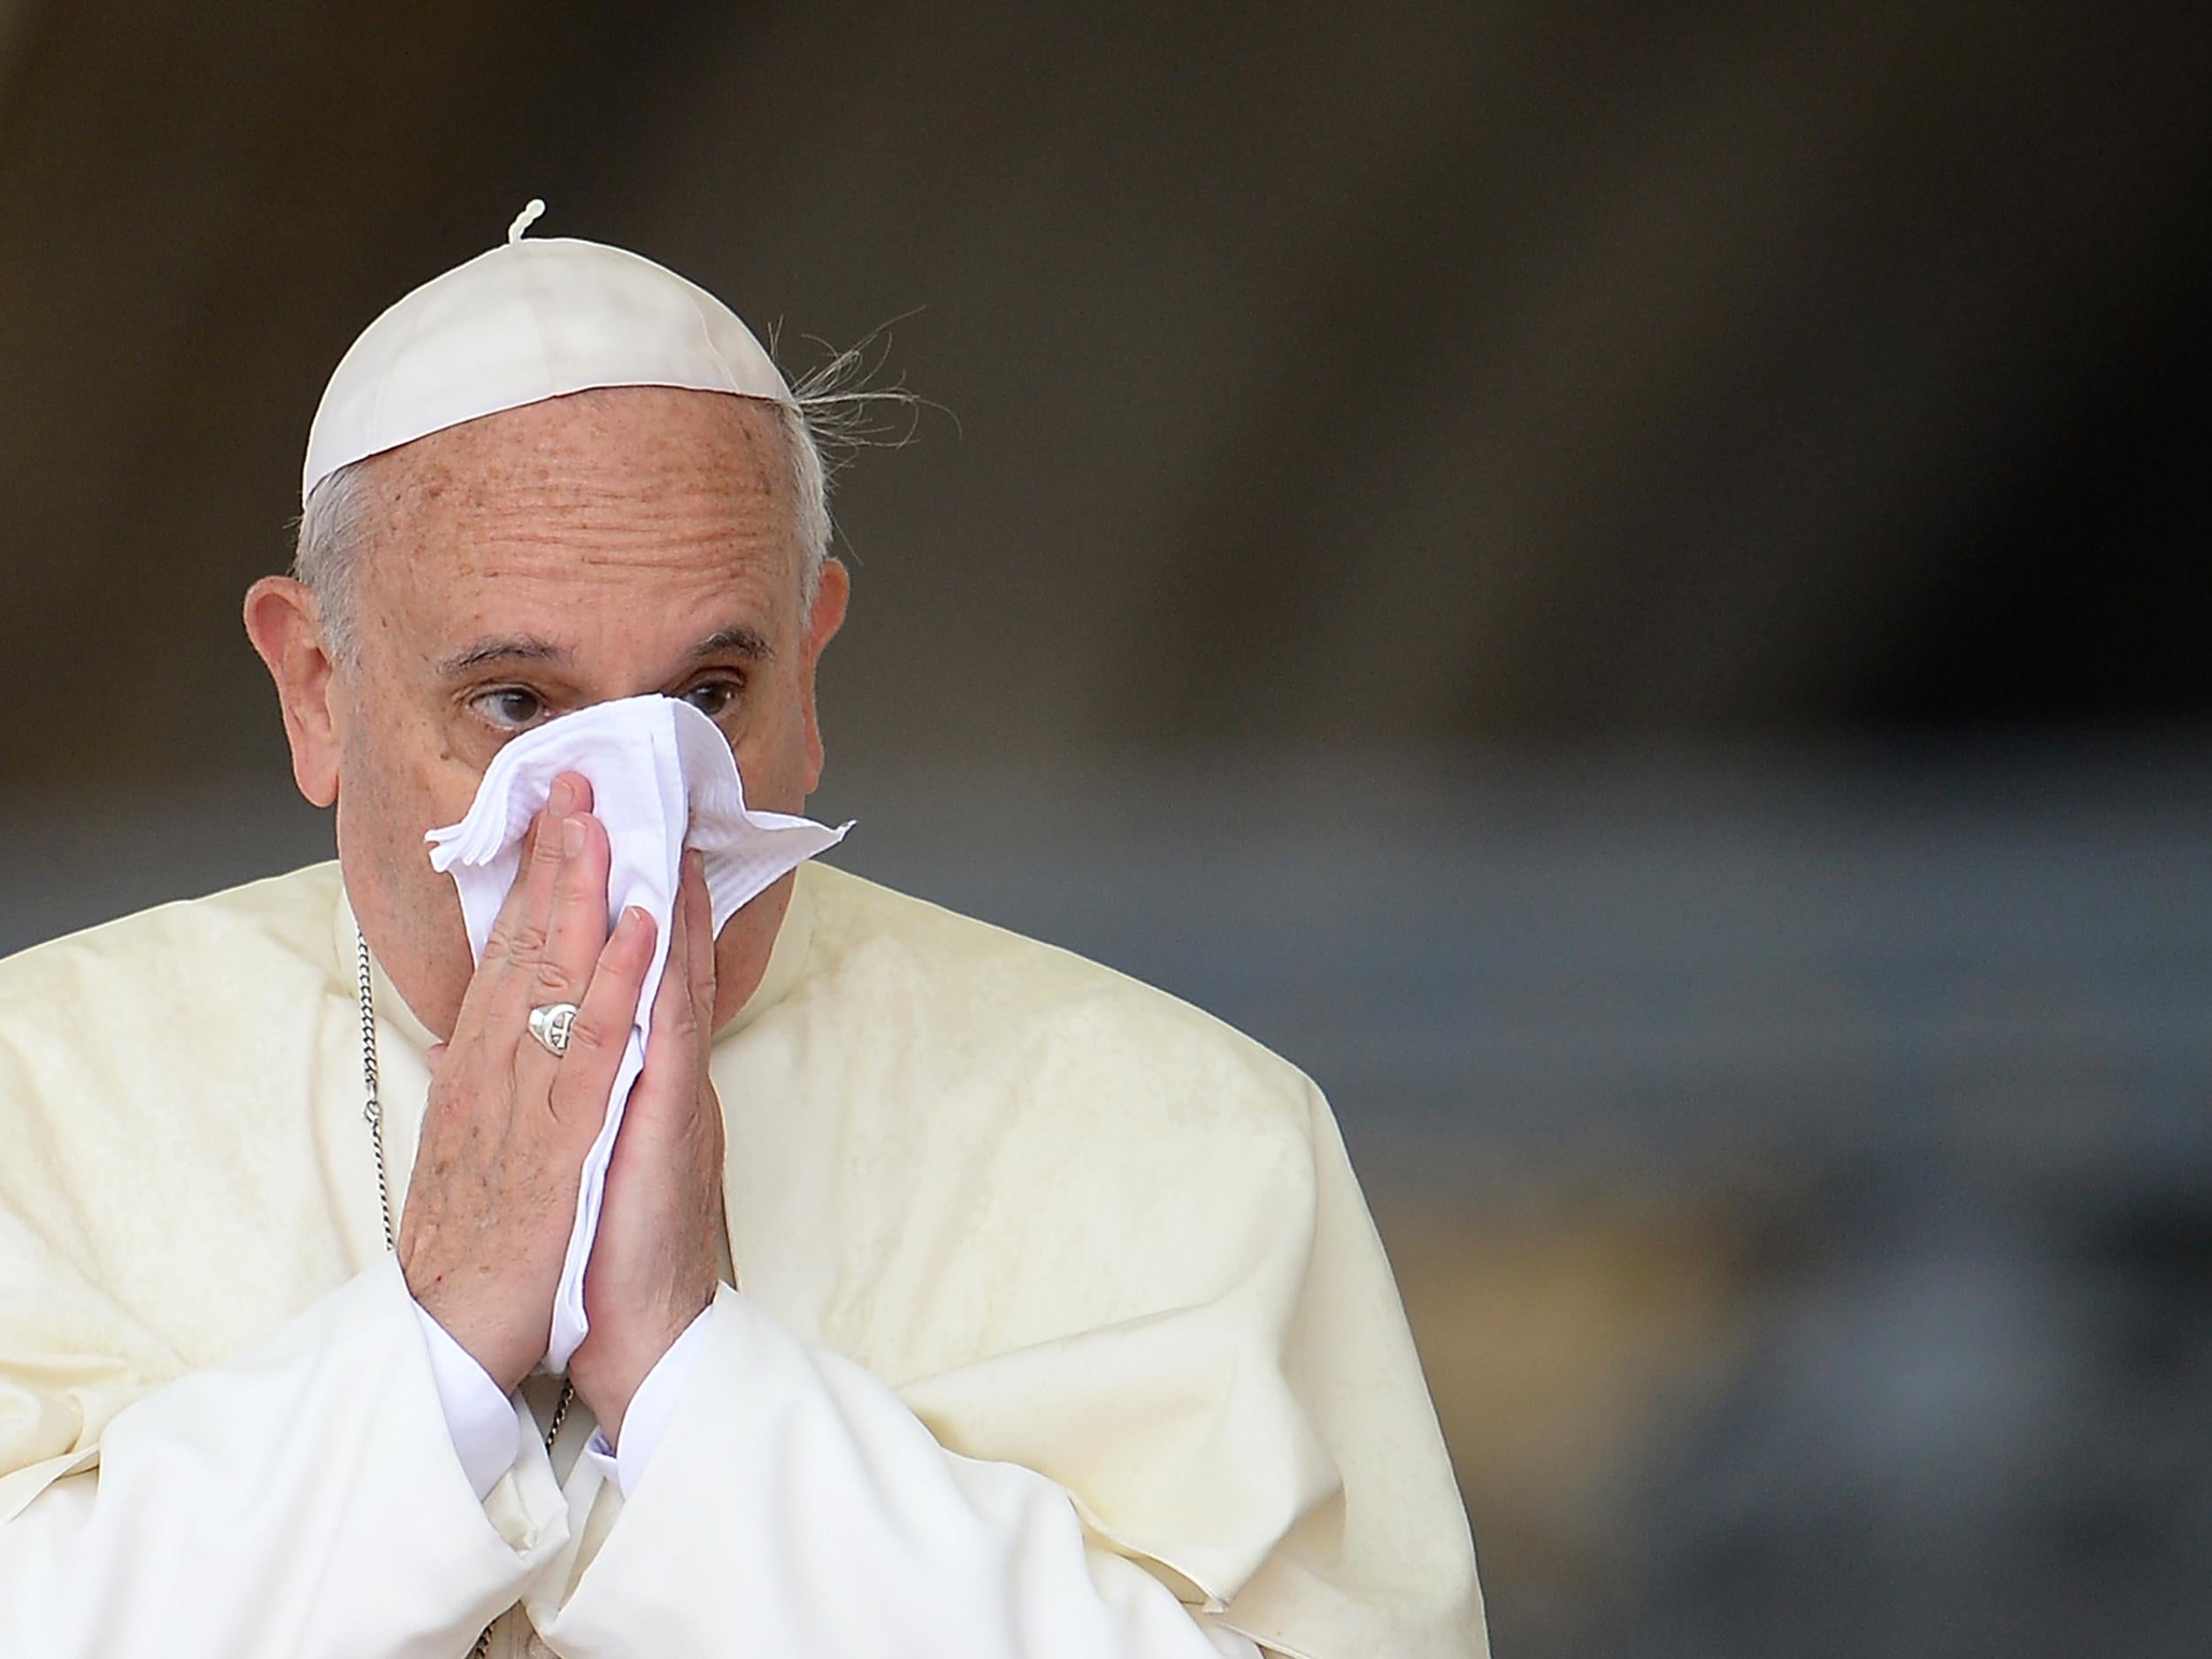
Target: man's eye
(712,697)
(510,707)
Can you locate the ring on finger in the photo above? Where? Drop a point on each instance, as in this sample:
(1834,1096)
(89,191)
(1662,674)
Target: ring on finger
(550,1024)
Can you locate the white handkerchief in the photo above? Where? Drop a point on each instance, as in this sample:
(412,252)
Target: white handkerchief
(661,775)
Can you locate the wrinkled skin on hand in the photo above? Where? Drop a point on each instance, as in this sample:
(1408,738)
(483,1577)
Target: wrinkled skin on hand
(657,1259)
(493,1198)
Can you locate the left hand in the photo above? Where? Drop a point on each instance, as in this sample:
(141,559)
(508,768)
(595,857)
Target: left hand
(657,1259)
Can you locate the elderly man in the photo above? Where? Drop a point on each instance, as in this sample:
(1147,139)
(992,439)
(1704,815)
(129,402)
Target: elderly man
(781,1266)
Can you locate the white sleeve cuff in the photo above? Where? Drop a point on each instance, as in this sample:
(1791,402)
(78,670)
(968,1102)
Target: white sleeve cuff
(812,1497)
(650,1407)
(480,1419)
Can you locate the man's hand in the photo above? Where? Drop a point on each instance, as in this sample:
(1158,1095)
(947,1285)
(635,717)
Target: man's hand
(659,1256)
(492,1196)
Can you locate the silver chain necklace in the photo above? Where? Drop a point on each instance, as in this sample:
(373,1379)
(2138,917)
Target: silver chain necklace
(372,1113)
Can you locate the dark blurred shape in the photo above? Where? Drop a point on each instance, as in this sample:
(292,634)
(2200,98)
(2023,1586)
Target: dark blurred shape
(1409,372)
(1986,1410)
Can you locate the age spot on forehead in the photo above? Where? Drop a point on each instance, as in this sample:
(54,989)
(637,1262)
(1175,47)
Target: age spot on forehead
(635,452)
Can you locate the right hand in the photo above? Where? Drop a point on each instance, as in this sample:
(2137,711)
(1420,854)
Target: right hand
(492,1200)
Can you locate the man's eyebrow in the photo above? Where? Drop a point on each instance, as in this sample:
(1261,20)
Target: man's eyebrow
(740,640)
(484,652)
(744,642)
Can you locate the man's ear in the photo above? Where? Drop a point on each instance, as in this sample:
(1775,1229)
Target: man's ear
(283,624)
(832,589)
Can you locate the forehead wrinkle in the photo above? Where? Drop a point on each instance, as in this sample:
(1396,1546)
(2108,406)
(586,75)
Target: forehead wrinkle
(600,526)
(593,535)
(618,444)
(520,613)
(593,492)
(514,590)
(585,489)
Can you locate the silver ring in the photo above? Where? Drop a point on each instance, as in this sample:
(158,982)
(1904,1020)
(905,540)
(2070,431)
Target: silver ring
(550,1023)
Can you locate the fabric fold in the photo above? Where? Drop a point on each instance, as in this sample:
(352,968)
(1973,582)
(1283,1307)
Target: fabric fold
(800,1485)
(266,1505)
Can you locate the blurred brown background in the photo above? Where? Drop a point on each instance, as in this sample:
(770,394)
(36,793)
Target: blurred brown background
(1626,584)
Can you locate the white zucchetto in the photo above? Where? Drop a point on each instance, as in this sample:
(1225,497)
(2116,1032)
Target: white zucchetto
(529,320)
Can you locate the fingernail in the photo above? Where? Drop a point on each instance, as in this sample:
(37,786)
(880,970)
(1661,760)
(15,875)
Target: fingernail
(632,918)
(561,800)
(571,837)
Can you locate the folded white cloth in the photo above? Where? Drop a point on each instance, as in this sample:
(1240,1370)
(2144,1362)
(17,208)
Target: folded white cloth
(662,777)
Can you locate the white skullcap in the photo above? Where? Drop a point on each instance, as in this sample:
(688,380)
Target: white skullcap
(524,322)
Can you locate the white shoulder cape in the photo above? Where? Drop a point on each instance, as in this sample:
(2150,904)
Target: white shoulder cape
(1075,1224)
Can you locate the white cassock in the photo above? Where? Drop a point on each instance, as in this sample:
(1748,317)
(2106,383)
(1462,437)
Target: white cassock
(1064,1330)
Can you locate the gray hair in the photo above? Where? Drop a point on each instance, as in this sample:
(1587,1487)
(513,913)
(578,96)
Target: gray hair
(833,414)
